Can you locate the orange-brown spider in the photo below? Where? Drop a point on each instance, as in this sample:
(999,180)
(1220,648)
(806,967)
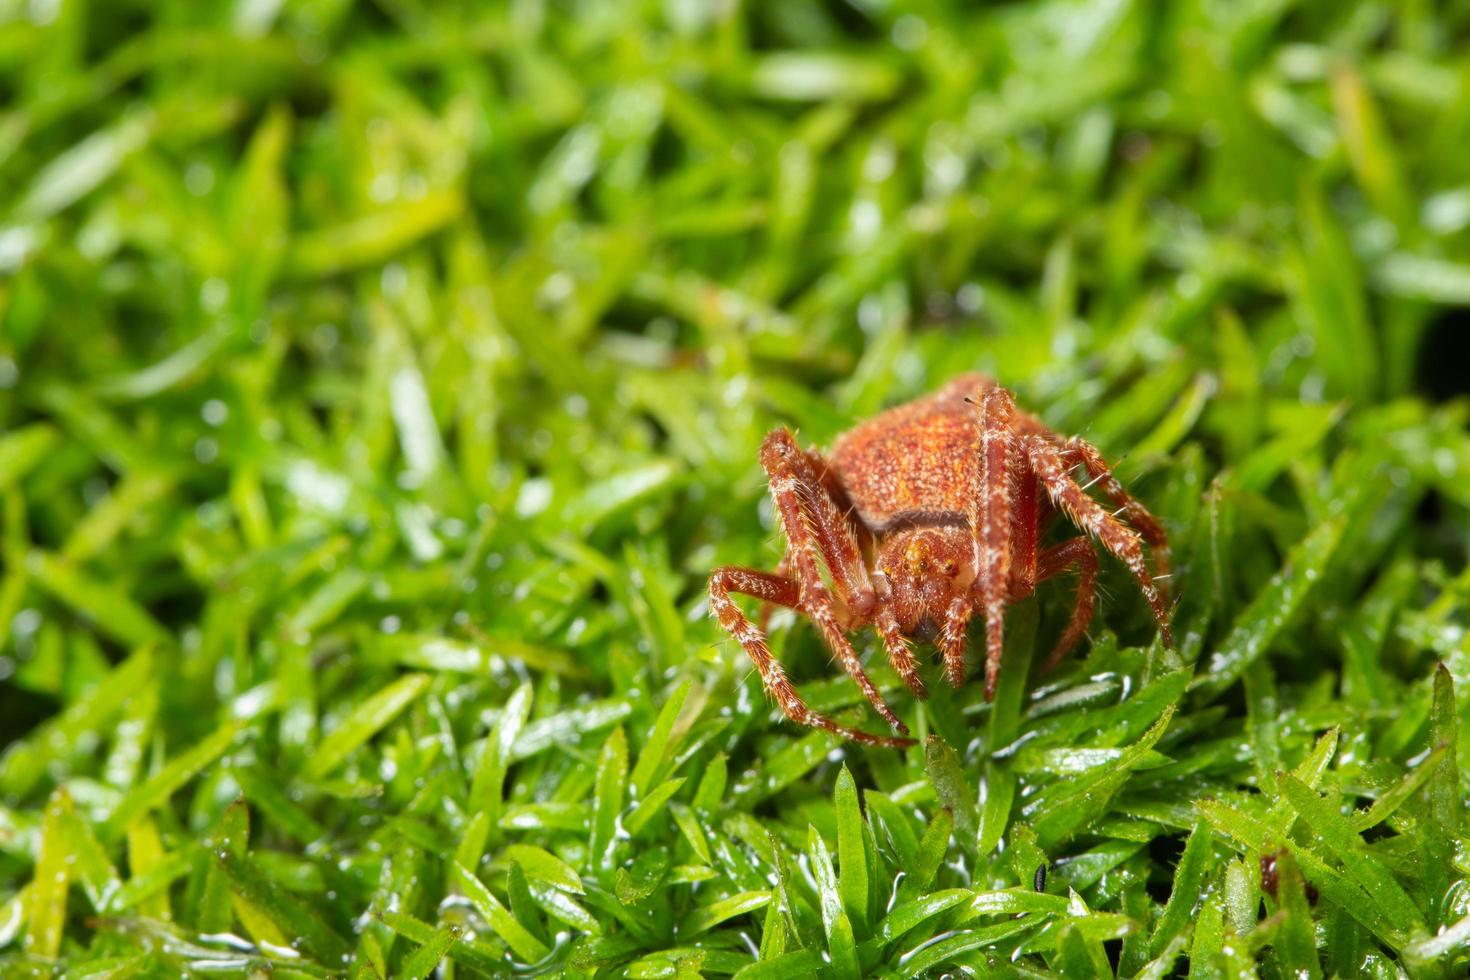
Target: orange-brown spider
(921,516)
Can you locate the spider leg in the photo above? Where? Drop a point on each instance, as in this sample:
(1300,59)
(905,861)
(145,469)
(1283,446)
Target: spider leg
(1051,468)
(1026,524)
(895,644)
(1056,560)
(763,615)
(831,531)
(1138,515)
(836,535)
(840,530)
(785,592)
(990,522)
(812,521)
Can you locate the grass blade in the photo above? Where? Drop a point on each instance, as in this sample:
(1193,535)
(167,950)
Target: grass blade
(1296,941)
(426,959)
(1259,625)
(114,612)
(835,923)
(487,790)
(852,857)
(296,922)
(544,866)
(1339,839)
(46,908)
(930,855)
(706,917)
(521,942)
(162,784)
(1189,876)
(656,749)
(612,780)
(365,721)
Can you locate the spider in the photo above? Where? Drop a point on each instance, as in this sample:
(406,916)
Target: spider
(922,516)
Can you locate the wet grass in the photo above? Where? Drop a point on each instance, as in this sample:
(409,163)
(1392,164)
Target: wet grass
(380,382)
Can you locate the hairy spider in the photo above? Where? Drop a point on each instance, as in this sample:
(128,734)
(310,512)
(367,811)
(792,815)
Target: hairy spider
(921,516)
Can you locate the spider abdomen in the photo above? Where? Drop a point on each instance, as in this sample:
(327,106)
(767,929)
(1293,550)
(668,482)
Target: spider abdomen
(910,464)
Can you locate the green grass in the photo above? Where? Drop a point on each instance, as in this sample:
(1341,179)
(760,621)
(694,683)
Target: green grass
(379,383)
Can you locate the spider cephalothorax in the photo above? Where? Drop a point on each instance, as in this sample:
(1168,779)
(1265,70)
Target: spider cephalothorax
(948,495)
(922,571)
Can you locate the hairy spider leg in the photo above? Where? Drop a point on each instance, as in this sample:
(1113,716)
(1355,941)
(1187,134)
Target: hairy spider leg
(839,530)
(1138,515)
(785,592)
(838,538)
(895,644)
(836,533)
(763,614)
(814,527)
(990,522)
(1025,529)
(1123,541)
(1054,561)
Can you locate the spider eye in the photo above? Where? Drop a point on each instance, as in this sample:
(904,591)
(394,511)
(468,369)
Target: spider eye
(950,568)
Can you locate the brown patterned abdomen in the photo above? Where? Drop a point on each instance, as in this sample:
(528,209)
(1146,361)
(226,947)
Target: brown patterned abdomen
(910,462)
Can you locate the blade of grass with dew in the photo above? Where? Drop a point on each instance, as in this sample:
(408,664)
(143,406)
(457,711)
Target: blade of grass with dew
(113,611)
(1269,612)
(521,942)
(1336,833)
(658,745)
(299,923)
(652,805)
(365,721)
(835,924)
(487,787)
(167,780)
(46,906)
(1189,876)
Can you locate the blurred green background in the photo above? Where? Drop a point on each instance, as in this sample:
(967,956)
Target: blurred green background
(380,381)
